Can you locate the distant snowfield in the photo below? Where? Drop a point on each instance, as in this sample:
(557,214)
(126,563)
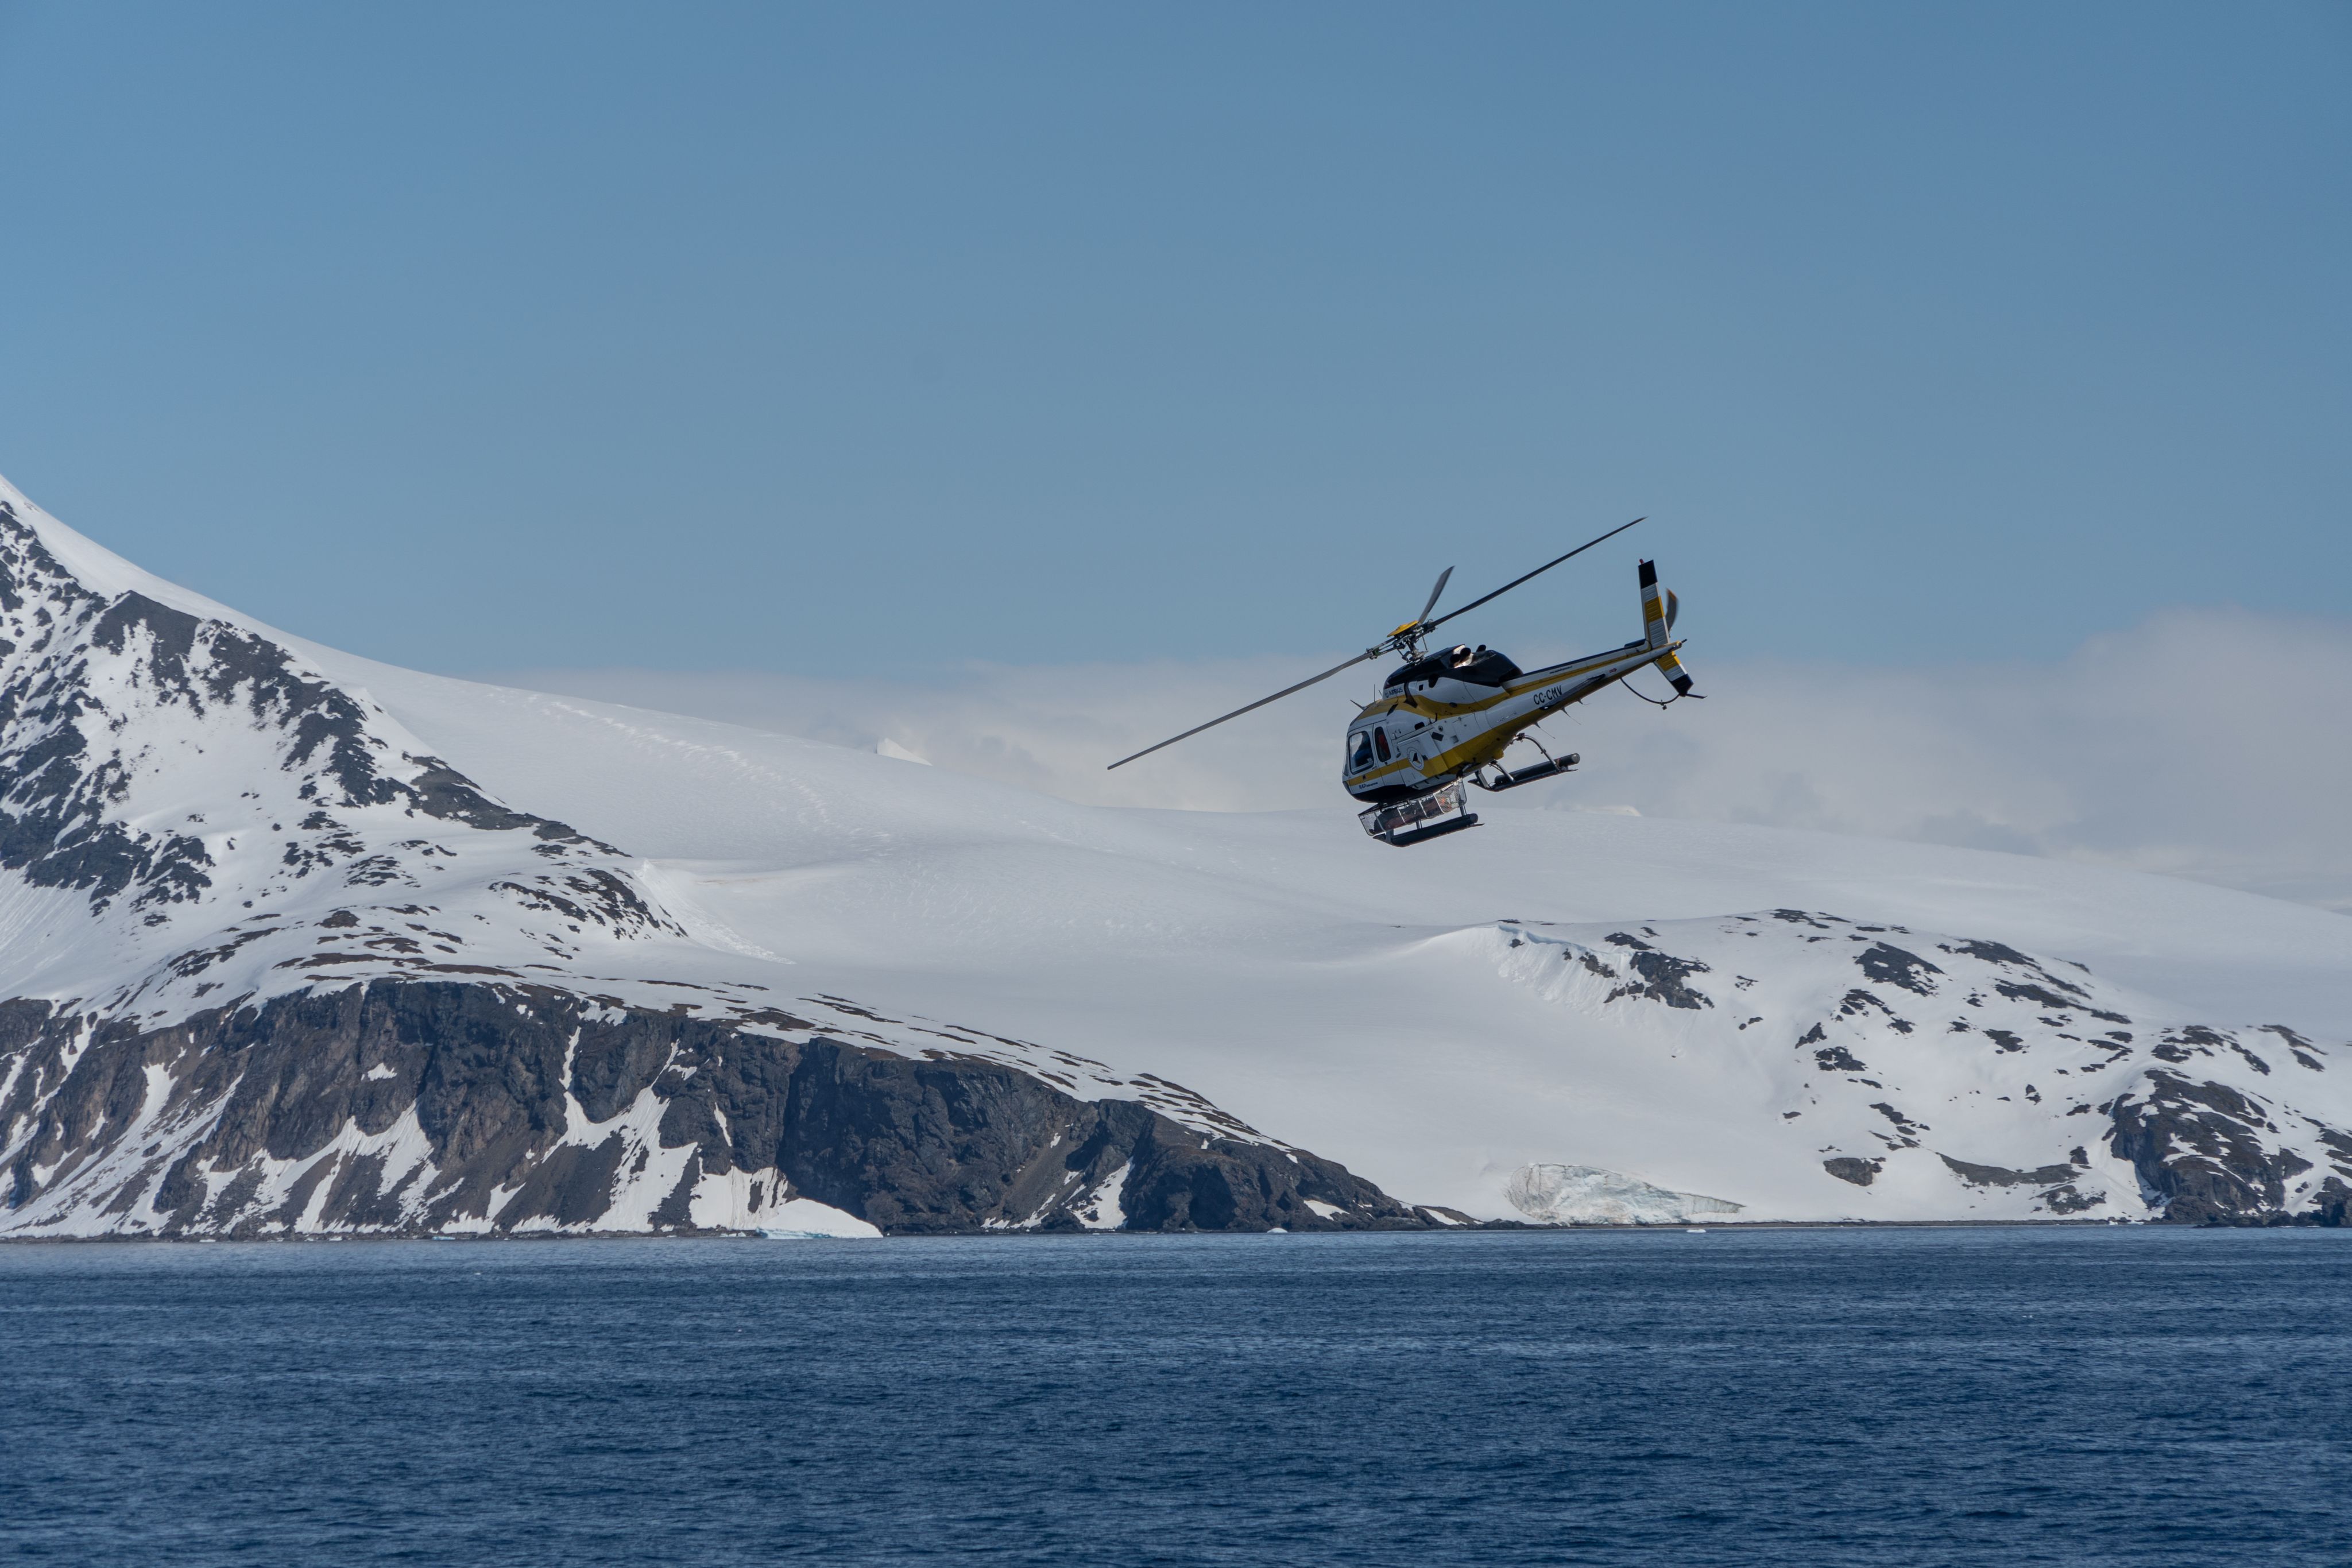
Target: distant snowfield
(1352,999)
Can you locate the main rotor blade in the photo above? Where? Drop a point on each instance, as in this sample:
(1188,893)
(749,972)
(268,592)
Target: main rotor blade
(1367,653)
(1423,617)
(1538,572)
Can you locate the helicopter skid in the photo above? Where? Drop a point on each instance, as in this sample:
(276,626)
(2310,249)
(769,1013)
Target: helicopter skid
(1422,817)
(1547,769)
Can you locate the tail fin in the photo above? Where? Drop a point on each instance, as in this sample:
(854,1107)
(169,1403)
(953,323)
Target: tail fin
(1658,608)
(1655,624)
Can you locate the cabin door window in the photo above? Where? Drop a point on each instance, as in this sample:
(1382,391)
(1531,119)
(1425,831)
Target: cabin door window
(1380,743)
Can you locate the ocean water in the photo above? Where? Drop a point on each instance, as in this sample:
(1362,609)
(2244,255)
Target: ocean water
(2010,1396)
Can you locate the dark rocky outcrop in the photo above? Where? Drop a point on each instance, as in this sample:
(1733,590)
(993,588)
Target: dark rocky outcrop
(2060,1193)
(1890,964)
(2001,1175)
(2200,1148)
(2211,1153)
(1848,1167)
(518,1095)
(1661,977)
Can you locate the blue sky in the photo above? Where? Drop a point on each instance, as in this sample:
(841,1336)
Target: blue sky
(830,340)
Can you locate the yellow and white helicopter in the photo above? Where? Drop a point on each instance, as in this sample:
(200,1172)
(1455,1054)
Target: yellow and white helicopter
(1447,716)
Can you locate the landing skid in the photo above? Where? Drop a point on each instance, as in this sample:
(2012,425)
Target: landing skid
(1422,817)
(1549,767)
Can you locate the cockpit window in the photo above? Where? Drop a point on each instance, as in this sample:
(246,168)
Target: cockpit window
(1360,756)
(1380,741)
(1484,667)
(1478,666)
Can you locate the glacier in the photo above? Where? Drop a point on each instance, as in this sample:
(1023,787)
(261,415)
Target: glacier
(1581,1194)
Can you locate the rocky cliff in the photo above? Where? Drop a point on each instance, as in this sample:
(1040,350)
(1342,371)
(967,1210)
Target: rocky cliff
(405,1107)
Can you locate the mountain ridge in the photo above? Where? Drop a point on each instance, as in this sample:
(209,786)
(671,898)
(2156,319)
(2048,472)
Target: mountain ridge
(207,828)
(169,771)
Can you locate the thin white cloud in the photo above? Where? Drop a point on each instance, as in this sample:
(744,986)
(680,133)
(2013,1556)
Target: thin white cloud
(2211,744)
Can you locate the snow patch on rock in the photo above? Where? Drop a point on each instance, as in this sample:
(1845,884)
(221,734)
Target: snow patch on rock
(1100,1209)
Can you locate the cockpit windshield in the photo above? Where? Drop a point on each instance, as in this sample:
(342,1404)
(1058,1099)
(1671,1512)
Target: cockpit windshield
(1360,751)
(1479,666)
(1485,668)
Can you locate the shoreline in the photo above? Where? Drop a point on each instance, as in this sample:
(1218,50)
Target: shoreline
(1490,1227)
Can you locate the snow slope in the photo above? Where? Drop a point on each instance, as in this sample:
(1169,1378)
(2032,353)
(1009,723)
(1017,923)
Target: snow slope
(1372,1003)
(1804,1026)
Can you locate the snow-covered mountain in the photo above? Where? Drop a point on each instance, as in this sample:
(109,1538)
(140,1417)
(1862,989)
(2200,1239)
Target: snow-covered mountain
(294,941)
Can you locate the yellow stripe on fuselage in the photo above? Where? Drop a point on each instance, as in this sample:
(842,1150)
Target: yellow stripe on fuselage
(1422,703)
(1352,780)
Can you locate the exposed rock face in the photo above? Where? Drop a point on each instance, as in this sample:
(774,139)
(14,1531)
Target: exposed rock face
(1850,1168)
(2058,1193)
(2214,1153)
(1660,977)
(413,1107)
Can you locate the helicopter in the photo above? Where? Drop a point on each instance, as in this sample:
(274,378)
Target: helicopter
(1445,717)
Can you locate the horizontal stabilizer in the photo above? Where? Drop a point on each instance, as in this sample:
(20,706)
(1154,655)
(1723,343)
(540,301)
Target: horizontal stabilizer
(1672,668)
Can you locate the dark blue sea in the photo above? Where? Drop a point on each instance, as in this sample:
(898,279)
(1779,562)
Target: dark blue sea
(2009,1397)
